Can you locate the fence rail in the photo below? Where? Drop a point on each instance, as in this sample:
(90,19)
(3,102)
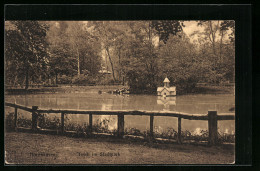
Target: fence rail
(212,117)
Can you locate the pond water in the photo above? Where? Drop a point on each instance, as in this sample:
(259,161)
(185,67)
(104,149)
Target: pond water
(92,100)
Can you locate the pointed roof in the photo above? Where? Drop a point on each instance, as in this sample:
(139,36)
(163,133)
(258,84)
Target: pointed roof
(166,80)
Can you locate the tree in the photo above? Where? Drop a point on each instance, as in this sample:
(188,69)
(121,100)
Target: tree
(220,54)
(73,49)
(180,63)
(26,50)
(229,25)
(165,28)
(142,57)
(111,35)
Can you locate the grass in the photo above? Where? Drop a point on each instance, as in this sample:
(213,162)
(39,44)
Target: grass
(30,148)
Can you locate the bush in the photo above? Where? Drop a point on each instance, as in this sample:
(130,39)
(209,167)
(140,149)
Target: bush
(103,80)
(79,79)
(141,82)
(84,79)
(133,131)
(47,123)
(21,122)
(65,79)
(9,121)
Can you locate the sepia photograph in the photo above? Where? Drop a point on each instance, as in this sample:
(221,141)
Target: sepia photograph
(119,92)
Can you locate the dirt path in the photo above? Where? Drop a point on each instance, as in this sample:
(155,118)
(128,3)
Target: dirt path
(27,148)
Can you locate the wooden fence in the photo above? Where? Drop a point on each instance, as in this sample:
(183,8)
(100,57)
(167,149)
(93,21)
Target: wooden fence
(212,117)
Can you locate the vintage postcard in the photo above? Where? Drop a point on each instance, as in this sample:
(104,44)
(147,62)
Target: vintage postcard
(112,92)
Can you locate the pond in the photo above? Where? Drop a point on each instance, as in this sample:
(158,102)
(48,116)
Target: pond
(92,100)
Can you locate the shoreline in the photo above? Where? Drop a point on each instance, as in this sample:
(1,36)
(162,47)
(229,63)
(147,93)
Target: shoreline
(200,89)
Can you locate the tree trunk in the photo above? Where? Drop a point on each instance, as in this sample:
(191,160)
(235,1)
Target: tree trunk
(112,67)
(220,46)
(212,36)
(56,78)
(78,62)
(119,63)
(27,79)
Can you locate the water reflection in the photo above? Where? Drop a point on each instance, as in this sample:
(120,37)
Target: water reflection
(166,102)
(193,104)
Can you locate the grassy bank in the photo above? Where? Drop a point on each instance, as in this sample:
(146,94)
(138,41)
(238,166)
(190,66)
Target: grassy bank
(213,89)
(199,89)
(64,89)
(27,148)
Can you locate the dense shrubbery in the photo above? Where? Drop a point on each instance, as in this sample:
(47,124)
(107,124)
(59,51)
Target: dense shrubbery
(65,79)
(79,80)
(83,79)
(9,121)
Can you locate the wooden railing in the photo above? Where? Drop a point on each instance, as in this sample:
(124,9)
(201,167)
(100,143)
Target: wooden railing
(212,117)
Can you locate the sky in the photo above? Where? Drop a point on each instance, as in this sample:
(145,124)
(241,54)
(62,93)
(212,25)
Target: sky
(190,27)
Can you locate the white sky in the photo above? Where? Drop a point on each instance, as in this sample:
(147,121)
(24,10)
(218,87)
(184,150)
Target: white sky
(190,27)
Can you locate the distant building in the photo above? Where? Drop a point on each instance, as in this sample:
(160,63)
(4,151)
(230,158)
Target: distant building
(104,71)
(166,90)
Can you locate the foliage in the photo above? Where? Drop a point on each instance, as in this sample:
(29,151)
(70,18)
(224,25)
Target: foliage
(165,28)
(64,79)
(216,52)
(23,122)
(229,24)
(101,126)
(179,62)
(73,49)
(170,133)
(47,123)
(140,53)
(84,79)
(26,55)
(133,131)
(141,66)
(80,79)
(102,80)
(9,121)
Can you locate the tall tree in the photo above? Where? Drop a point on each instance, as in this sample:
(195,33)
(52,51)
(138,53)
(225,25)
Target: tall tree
(26,48)
(110,34)
(73,49)
(180,63)
(215,48)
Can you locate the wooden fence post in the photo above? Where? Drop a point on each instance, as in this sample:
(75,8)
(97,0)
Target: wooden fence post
(62,123)
(179,130)
(213,127)
(90,123)
(34,118)
(151,125)
(15,118)
(120,125)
